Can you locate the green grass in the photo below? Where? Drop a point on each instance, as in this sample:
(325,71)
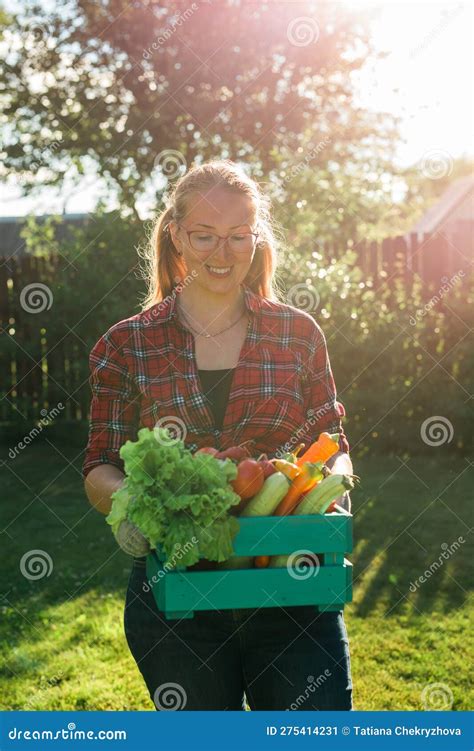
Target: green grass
(62,644)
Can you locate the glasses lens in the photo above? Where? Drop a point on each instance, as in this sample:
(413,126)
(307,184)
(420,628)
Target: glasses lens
(204,242)
(241,243)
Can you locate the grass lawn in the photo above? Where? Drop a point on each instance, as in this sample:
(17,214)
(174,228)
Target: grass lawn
(62,644)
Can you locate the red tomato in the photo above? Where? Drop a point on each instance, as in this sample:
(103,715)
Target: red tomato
(250,478)
(268,467)
(234,452)
(207,450)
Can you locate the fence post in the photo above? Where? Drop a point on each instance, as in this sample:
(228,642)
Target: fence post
(413,255)
(435,255)
(387,256)
(400,260)
(462,246)
(374,261)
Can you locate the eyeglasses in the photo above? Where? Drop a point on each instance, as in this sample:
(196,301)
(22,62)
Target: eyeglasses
(206,242)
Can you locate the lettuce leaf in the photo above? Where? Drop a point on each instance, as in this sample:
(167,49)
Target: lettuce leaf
(118,513)
(178,500)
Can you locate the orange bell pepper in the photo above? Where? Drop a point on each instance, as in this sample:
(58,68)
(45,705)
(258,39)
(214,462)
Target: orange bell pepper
(320,451)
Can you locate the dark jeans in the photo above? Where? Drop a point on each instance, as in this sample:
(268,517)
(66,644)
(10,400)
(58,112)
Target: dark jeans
(282,658)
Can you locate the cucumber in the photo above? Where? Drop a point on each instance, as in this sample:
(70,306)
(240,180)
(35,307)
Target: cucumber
(268,497)
(278,561)
(320,497)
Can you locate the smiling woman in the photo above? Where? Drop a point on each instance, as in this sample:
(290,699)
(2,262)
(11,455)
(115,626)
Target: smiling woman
(162,366)
(220,257)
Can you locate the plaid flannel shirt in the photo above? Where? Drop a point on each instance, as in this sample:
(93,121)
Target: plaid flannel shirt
(144,372)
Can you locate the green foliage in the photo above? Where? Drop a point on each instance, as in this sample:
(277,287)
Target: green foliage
(96,278)
(41,236)
(330,191)
(105,102)
(177,499)
(399,354)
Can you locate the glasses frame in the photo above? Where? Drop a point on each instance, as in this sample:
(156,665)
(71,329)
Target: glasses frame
(256,235)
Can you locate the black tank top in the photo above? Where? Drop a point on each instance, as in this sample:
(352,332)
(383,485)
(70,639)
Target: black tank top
(216,386)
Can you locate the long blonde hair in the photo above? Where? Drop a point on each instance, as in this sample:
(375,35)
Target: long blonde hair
(164,267)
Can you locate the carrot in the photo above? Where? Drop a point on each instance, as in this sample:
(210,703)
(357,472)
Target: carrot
(262,561)
(310,474)
(319,451)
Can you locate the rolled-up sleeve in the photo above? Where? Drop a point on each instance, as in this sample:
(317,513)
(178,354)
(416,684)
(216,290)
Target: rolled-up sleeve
(324,407)
(115,405)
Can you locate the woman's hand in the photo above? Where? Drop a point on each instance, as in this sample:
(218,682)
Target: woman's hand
(344,501)
(131,540)
(99,485)
(341,464)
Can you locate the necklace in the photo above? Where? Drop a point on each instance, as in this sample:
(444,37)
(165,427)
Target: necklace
(209,336)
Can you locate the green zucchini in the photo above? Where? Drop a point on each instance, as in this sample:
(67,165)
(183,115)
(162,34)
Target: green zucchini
(268,497)
(323,494)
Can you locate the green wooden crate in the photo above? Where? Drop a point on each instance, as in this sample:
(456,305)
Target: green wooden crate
(328,587)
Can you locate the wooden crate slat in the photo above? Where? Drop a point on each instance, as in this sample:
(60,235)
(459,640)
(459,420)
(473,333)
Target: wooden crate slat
(270,535)
(329,586)
(252,588)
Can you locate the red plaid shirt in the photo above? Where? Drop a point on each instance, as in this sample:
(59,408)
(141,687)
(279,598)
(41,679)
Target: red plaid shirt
(144,371)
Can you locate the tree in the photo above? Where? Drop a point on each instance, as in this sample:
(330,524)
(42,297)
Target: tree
(126,87)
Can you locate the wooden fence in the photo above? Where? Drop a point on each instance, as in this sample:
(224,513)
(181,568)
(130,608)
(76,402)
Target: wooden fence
(429,258)
(39,373)
(36,371)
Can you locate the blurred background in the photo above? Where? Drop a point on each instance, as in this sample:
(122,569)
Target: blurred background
(357,119)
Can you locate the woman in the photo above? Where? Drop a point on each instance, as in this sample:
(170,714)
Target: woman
(215,355)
